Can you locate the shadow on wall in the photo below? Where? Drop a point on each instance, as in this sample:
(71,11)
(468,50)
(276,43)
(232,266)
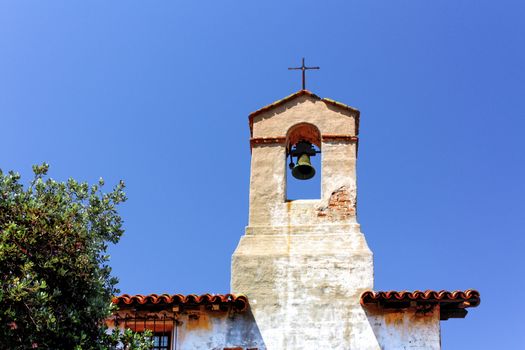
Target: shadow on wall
(246,333)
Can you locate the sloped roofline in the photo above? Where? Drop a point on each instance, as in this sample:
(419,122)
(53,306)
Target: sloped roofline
(298,94)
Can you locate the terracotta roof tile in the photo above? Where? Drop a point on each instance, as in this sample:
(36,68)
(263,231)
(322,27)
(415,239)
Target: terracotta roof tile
(452,303)
(239,302)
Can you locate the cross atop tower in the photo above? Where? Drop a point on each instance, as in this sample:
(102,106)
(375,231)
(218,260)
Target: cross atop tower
(303,68)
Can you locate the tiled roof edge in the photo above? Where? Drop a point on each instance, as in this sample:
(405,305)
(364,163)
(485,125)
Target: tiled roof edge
(452,304)
(472,295)
(239,301)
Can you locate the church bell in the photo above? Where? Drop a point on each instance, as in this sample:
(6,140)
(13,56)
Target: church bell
(303,170)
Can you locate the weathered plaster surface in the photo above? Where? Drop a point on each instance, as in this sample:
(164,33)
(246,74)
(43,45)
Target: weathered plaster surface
(268,205)
(303,264)
(218,331)
(304,289)
(406,328)
(202,329)
(328,119)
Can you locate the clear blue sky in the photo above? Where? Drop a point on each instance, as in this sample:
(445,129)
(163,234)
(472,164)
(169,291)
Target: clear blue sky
(158,93)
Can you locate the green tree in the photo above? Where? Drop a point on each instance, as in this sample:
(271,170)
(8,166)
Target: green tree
(56,285)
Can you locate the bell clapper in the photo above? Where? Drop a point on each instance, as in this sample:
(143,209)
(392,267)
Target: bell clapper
(292,164)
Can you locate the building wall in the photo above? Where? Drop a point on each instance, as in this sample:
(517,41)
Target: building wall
(216,331)
(406,328)
(269,208)
(198,328)
(304,289)
(303,264)
(329,119)
(391,330)
(202,329)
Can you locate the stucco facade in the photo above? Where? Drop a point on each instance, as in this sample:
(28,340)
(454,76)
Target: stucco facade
(194,327)
(304,263)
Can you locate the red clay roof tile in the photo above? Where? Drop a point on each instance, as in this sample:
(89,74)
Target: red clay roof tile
(452,303)
(239,302)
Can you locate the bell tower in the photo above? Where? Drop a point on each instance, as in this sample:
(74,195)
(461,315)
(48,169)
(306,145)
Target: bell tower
(304,263)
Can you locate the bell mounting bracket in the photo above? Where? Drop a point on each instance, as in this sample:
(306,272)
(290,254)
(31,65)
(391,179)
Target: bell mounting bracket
(300,148)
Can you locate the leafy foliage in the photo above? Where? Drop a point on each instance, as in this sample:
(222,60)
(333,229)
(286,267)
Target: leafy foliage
(56,285)
(129,340)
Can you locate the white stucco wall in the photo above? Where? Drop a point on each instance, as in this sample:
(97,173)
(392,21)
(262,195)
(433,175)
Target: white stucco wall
(216,331)
(406,329)
(331,325)
(303,264)
(198,328)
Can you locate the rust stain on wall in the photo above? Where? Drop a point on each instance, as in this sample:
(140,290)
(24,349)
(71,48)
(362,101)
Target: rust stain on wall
(394,318)
(198,321)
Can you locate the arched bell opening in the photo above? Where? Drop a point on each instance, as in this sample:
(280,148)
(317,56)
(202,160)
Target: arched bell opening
(303,158)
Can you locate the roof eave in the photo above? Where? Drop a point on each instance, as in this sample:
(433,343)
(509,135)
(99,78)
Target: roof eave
(451,304)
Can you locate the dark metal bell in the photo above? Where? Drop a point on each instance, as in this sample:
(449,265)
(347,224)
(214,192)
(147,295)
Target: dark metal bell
(303,170)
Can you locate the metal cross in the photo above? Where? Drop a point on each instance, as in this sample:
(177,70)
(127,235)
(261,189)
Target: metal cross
(303,68)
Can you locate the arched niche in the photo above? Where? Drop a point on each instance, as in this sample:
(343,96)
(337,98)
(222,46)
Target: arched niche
(304,189)
(303,132)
